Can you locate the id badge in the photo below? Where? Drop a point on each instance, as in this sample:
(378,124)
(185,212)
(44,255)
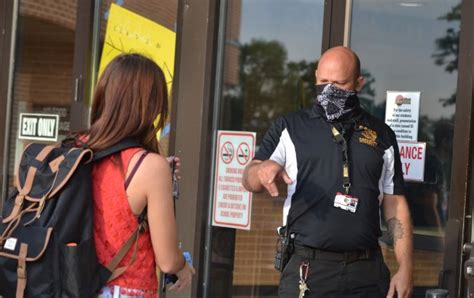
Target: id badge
(346,202)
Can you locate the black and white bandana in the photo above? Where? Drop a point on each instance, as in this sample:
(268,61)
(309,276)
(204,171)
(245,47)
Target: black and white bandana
(337,103)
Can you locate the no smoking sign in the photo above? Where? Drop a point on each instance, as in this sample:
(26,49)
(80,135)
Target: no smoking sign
(232,205)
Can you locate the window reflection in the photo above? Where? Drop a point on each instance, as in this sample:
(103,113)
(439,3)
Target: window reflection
(163,13)
(270,56)
(43,69)
(413,46)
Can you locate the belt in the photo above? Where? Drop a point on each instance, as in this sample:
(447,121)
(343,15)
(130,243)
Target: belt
(347,257)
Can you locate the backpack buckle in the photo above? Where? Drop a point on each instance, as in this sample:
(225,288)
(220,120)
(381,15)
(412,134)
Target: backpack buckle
(19,199)
(143,226)
(40,207)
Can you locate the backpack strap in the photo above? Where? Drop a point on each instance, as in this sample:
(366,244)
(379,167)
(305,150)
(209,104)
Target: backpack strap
(26,188)
(135,168)
(21,271)
(123,144)
(113,264)
(142,224)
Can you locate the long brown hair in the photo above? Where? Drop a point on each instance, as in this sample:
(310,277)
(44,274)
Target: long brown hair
(129,96)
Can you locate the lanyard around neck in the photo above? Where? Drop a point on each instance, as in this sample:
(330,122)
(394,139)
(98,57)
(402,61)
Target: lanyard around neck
(339,138)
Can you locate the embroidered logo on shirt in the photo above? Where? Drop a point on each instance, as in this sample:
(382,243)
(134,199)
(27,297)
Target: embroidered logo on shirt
(368,136)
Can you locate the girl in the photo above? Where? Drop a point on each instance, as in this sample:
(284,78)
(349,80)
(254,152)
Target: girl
(129,96)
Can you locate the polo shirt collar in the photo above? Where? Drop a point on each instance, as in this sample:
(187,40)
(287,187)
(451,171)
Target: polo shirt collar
(315,112)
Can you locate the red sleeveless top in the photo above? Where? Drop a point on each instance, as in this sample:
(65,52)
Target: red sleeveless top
(114,222)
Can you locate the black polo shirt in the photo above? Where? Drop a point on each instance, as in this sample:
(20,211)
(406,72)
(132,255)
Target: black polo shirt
(302,142)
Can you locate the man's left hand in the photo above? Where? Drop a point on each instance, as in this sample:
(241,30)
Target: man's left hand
(402,284)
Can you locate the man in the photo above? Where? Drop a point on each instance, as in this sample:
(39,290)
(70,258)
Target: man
(341,166)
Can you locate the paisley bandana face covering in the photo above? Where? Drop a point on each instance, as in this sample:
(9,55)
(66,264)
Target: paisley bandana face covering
(336,102)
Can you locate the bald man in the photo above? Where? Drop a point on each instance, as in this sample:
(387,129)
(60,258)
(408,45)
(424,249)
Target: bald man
(342,166)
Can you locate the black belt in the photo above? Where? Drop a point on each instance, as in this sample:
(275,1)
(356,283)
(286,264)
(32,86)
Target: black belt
(347,257)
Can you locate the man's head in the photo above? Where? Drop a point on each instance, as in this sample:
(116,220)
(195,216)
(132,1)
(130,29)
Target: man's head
(341,67)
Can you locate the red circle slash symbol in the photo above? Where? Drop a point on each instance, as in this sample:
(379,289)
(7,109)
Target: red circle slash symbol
(243,153)
(227,152)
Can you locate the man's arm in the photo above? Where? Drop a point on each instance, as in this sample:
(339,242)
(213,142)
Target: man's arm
(397,216)
(260,175)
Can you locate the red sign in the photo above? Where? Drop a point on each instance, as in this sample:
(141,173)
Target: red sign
(413,155)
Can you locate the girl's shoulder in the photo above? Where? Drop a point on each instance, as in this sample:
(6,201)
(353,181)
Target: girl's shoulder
(152,165)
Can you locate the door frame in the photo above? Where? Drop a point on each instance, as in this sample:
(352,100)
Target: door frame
(193,133)
(459,215)
(8,16)
(85,62)
(458,227)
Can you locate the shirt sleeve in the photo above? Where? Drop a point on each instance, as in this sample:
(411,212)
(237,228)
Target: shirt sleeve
(393,183)
(272,147)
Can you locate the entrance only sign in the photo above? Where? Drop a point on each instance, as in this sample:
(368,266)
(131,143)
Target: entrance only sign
(232,204)
(413,156)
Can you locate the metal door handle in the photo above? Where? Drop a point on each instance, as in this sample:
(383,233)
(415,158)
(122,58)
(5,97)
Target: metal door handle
(77,84)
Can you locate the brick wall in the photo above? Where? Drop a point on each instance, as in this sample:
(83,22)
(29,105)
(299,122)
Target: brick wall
(254,249)
(43,70)
(58,12)
(428,264)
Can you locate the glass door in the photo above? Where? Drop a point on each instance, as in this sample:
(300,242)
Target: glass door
(130,39)
(270,53)
(412,46)
(42,76)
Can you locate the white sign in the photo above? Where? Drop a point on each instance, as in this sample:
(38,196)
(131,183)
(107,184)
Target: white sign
(402,114)
(232,203)
(42,127)
(413,156)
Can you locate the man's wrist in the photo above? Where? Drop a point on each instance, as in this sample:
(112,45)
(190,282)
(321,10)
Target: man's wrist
(405,267)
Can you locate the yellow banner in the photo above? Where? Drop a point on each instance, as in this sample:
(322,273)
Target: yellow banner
(128,32)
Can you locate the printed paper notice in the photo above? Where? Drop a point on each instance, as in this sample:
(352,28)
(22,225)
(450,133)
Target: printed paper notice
(232,203)
(402,114)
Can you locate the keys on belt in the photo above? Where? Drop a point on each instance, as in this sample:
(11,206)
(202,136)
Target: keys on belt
(304,271)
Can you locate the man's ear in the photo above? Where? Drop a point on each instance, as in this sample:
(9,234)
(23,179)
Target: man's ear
(360,83)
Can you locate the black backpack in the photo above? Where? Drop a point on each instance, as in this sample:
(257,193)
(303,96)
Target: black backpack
(46,233)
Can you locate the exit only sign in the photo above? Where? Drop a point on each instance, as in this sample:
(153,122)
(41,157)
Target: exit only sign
(41,127)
